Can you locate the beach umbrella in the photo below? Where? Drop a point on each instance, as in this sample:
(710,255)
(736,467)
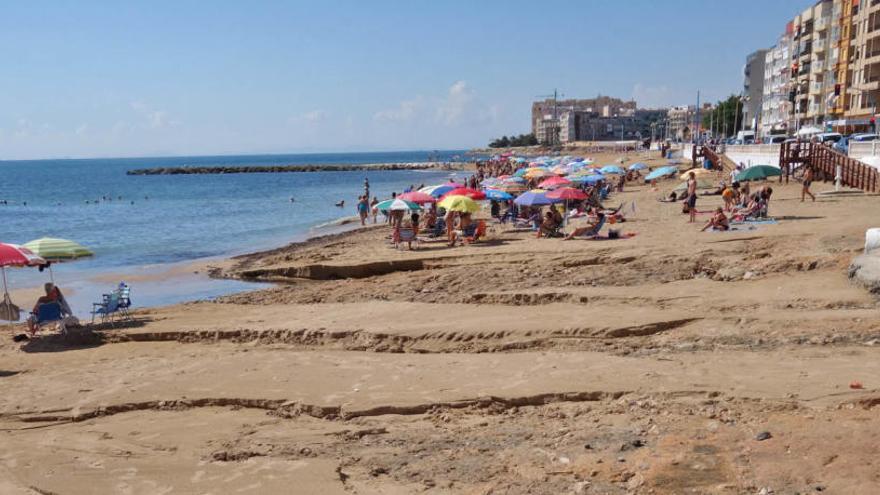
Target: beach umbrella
(661,172)
(536,173)
(57,250)
(758,172)
(696,171)
(638,166)
(521,172)
(612,169)
(397,204)
(440,190)
(588,179)
(15,255)
(567,194)
(53,249)
(497,195)
(466,191)
(533,198)
(701,184)
(512,188)
(418,197)
(459,203)
(554,182)
(518,180)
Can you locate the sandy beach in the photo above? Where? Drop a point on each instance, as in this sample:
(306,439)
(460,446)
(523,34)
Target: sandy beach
(666,362)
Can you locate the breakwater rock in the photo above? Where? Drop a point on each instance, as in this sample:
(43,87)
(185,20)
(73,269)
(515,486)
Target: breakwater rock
(268,169)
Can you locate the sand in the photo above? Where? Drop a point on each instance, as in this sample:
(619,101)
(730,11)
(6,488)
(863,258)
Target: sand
(515,365)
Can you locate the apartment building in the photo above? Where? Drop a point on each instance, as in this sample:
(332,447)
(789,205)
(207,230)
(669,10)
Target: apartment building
(859,96)
(776,108)
(753,88)
(814,56)
(563,121)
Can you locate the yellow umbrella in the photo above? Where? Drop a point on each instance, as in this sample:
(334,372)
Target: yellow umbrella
(534,173)
(459,203)
(697,171)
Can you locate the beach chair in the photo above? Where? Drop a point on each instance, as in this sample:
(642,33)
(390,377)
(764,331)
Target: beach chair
(48,313)
(594,231)
(406,235)
(479,233)
(107,308)
(124,299)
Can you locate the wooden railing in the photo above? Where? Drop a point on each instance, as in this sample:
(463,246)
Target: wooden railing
(825,162)
(705,151)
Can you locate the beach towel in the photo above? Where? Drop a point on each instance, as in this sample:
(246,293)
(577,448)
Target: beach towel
(735,228)
(626,235)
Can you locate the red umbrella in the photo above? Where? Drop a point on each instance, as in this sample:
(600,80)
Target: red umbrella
(466,191)
(418,197)
(554,182)
(567,193)
(15,255)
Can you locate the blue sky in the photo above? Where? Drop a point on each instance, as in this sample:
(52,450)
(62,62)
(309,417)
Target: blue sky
(87,79)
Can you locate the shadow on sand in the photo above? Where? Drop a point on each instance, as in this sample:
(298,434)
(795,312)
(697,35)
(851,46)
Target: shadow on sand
(85,337)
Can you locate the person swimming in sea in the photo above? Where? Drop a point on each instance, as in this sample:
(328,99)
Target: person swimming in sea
(341,204)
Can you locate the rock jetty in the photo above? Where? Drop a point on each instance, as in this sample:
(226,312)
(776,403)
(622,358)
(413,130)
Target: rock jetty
(268,169)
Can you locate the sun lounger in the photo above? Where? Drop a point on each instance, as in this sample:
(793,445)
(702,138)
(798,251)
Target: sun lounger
(594,231)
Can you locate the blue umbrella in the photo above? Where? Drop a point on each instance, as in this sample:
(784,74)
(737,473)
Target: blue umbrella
(612,169)
(661,172)
(587,179)
(496,195)
(638,166)
(518,180)
(532,198)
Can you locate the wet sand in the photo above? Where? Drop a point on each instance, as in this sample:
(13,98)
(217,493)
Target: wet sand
(516,365)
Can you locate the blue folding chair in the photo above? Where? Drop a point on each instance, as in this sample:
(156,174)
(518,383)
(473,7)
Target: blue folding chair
(48,313)
(106,308)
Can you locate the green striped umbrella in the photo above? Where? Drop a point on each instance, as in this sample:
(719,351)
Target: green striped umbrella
(57,249)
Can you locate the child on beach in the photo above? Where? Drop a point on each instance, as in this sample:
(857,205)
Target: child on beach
(717,222)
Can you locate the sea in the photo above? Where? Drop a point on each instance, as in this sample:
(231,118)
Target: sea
(147,230)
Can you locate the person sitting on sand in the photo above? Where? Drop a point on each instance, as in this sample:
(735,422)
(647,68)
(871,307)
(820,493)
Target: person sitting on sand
(718,221)
(591,229)
(549,226)
(466,228)
(672,198)
(53,294)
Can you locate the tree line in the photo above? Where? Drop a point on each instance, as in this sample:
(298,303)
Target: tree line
(521,140)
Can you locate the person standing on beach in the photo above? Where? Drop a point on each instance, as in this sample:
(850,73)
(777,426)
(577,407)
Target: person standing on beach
(363,208)
(808,180)
(374,209)
(367,187)
(692,196)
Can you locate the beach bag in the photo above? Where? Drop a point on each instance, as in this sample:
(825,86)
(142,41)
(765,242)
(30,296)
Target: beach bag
(9,311)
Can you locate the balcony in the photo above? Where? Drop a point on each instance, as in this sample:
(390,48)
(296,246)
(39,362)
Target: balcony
(821,24)
(816,87)
(819,46)
(817,67)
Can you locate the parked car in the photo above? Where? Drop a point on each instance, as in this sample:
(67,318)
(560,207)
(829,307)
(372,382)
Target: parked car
(775,139)
(864,137)
(829,137)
